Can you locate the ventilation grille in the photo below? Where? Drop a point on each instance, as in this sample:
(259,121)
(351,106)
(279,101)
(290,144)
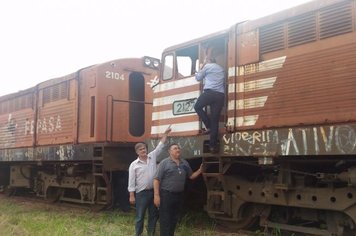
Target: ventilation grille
(56,92)
(271,38)
(302,30)
(335,20)
(329,22)
(16,104)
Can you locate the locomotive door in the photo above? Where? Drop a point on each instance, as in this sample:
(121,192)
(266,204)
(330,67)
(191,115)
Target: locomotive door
(216,48)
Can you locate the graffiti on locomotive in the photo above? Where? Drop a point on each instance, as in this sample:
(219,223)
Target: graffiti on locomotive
(319,140)
(12,126)
(44,125)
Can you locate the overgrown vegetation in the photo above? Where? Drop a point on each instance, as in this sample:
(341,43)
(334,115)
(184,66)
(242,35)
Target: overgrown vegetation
(22,218)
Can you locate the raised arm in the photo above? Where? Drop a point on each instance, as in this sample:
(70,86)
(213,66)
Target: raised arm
(165,134)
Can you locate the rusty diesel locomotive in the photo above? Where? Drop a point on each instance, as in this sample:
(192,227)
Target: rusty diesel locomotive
(287,155)
(71,138)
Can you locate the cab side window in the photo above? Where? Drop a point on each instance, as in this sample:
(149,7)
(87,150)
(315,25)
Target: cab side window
(168,67)
(187,59)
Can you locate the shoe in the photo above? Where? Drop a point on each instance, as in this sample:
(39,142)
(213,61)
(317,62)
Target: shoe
(214,150)
(205,131)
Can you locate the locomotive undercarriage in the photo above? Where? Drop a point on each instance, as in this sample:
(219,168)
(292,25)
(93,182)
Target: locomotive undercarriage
(285,195)
(91,174)
(77,182)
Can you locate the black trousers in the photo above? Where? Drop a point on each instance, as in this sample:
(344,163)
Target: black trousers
(169,211)
(216,102)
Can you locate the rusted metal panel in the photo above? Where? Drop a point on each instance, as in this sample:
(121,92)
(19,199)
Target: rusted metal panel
(249,47)
(16,129)
(56,124)
(310,80)
(291,13)
(17,119)
(55,111)
(66,152)
(316,87)
(180,92)
(108,85)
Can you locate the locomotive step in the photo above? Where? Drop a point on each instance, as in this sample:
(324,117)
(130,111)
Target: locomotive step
(216,212)
(211,162)
(212,174)
(102,189)
(101,202)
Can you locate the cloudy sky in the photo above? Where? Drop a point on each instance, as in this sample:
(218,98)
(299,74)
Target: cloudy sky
(45,39)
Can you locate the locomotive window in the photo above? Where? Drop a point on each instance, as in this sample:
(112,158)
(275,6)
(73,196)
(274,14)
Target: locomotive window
(137,105)
(168,67)
(186,61)
(184,65)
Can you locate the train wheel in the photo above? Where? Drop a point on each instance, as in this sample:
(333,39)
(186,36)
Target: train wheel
(340,224)
(53,194)
(247,218)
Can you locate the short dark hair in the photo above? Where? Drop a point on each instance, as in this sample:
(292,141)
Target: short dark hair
(211,60)
(172,144)
(139,145)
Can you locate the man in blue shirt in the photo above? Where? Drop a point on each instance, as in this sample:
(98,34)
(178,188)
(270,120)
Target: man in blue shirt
(169,183)
(213,95)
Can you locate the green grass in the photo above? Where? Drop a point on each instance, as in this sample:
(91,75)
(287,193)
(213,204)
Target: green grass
(21,218)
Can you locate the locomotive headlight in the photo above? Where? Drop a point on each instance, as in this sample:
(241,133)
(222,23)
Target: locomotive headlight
(147,61)
(156,63)
(151,62)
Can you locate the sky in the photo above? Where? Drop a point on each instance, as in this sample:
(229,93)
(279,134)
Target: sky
(45,39)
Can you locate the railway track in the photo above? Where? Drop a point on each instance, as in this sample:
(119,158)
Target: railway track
(37,202)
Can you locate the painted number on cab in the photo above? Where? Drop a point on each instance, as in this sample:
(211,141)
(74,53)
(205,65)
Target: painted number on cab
(114,75)
(184,106)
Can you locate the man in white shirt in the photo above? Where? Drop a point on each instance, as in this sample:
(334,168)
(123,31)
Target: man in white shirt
(140,186)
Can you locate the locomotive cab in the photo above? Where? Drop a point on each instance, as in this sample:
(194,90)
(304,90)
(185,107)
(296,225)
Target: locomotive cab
(178,90)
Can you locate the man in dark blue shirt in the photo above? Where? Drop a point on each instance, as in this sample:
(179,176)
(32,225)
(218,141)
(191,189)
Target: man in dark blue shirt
(168,185)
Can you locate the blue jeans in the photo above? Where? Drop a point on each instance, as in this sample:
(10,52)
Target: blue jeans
(169,211)
(216,102)
(144,200)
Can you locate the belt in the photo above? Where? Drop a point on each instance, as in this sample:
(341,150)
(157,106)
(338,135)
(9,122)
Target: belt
(171,192)
(210,90)
(146,190)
